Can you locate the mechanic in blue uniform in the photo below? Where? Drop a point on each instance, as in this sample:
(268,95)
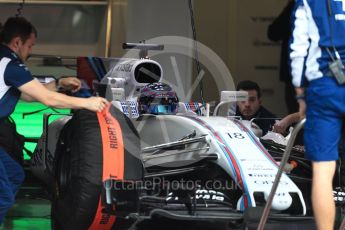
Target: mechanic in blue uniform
(252,108)
(317,56)
(17,38)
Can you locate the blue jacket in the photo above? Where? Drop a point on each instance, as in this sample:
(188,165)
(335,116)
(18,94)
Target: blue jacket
(314,29)
(13,74)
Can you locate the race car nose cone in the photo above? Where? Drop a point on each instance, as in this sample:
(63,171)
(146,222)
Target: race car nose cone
(281,200)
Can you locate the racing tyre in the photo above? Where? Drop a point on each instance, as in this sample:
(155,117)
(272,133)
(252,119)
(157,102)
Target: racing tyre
(79,168)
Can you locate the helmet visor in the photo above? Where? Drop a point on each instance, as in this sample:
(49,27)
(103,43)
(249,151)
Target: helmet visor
(163,109)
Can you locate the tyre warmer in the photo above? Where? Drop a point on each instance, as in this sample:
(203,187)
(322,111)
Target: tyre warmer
(92,149)
(113,151)
(113,162)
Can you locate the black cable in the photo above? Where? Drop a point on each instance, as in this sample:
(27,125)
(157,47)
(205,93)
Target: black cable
(330,14)
(8,217)
(38,111)
(198,68)
(20,9)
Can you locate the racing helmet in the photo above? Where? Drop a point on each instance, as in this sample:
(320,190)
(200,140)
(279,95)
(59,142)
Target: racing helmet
(157,98)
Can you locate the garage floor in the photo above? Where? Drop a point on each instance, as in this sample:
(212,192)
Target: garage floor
(18,218)
(28,213)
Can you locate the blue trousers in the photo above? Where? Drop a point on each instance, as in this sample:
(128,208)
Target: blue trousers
(11,177)
(325,119)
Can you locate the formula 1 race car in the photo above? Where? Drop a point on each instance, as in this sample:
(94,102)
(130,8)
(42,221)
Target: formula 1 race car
(149,160)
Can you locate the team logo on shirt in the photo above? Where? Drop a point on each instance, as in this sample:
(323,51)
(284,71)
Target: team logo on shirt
(24,66)
(14,55)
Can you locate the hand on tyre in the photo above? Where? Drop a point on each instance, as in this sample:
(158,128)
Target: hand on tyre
(96,104)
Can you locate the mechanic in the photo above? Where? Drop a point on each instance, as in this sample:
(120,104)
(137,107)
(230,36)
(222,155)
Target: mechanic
(17,38)
(318,56)
(252,108)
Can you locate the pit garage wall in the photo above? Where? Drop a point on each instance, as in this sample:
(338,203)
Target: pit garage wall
(149,20)
(234,29)
(258,58)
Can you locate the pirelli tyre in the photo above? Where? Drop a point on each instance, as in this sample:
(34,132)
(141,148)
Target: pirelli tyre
(91,149)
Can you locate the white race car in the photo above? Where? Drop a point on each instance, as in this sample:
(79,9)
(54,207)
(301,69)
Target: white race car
(125,167)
